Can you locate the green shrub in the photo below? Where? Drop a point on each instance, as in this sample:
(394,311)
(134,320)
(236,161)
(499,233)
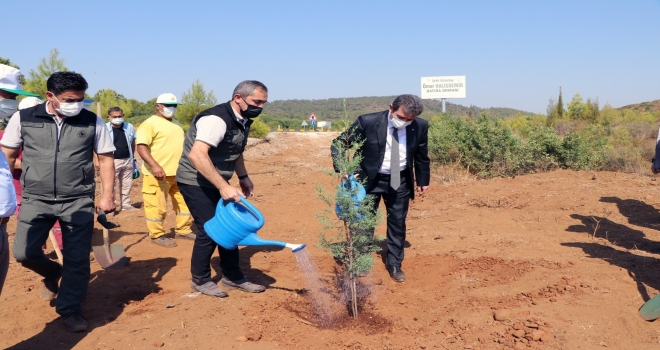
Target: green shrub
(586,138)
(584,149)
(488,147)
(484,146)
(259,129)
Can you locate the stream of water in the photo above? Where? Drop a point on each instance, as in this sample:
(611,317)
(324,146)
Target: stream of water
(322,303)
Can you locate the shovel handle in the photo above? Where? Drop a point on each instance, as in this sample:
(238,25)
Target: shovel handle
(53,241)
(106,237)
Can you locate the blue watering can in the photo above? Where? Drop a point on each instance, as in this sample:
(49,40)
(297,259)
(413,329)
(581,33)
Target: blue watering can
(237,223)
(357,197)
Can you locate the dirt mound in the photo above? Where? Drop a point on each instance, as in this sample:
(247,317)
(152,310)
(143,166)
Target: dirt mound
(543,261)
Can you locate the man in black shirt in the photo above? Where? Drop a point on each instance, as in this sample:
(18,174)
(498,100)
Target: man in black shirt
(123,137)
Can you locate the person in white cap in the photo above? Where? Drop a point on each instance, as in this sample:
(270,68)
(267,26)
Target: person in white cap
(160,144)
(10,88)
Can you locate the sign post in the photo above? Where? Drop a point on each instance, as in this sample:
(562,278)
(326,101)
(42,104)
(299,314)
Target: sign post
(443,88)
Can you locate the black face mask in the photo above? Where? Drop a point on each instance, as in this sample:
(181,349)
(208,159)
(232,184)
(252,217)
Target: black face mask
(251,111)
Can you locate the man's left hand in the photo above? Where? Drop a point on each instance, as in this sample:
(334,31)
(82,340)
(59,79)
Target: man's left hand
(247,187)
(422,189)
(107,204)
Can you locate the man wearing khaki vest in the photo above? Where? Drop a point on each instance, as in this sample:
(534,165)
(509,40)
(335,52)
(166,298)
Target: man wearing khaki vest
(59,138)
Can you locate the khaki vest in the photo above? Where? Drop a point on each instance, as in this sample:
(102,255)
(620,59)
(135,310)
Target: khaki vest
(57,168)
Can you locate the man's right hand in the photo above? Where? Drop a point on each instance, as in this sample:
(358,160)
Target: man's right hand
(158,172)
(230,193)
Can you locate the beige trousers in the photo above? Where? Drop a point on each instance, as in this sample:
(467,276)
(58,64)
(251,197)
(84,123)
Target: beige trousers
(124,181)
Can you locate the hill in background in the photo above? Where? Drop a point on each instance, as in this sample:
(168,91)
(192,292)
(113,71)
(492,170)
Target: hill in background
(652,106)
(333,109)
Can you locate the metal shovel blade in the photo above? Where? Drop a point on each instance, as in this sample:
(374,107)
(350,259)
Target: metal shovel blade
(107,255)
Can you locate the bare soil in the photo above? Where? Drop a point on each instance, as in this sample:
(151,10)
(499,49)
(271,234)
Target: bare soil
(564,259)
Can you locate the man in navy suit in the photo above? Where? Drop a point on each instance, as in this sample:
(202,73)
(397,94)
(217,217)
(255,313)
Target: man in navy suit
(395,143)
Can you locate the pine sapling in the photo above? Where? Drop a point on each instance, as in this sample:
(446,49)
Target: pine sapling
(354,244)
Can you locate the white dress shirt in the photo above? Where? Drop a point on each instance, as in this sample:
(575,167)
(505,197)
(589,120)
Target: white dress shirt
(386,166)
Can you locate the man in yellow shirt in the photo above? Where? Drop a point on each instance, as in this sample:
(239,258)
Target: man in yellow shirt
(160,144)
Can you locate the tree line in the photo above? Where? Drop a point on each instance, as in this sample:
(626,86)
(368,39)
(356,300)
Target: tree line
(193,101)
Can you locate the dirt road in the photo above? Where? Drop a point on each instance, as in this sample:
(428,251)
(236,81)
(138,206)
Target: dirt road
(523,247)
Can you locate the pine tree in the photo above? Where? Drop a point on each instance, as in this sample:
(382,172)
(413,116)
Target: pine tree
(36,81)
(354,245)
(560,105)
(8,62)
(193,101)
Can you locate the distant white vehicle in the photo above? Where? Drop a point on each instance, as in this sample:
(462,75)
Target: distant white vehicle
(324,124)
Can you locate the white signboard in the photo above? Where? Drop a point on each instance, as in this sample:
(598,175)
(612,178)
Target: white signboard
(443,87)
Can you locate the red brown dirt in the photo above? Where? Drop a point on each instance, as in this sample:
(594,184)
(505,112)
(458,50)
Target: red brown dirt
(524,245)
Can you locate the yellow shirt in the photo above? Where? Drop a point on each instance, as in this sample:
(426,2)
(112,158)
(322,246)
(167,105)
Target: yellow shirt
(165,141)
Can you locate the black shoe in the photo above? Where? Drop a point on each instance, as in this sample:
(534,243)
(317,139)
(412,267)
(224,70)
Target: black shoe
(75,323)
(396,273)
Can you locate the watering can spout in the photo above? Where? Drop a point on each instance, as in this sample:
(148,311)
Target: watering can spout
(252,239)
(236,224)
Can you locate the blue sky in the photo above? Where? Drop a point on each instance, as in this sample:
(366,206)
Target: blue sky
(513,53)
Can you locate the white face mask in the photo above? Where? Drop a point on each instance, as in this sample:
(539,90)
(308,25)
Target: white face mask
(117,121)
(168,111)
(8,107)
(69,109)
(398,123)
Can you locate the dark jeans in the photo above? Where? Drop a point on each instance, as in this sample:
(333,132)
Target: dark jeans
(202,202)
(76,217)
(396,205)
(4,254)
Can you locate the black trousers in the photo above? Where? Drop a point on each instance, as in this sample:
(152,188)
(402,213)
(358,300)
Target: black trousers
(396,205)
(76,218)
(201,202)
(4,254)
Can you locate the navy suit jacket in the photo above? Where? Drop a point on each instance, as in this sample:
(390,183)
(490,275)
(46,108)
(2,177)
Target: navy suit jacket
(372,129)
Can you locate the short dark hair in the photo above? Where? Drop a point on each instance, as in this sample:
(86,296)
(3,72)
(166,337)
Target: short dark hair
(411,104)
(247,87)
(115,109)
(60,82)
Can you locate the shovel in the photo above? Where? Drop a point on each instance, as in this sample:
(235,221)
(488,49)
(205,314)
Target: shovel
(108,255)
(56,246)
